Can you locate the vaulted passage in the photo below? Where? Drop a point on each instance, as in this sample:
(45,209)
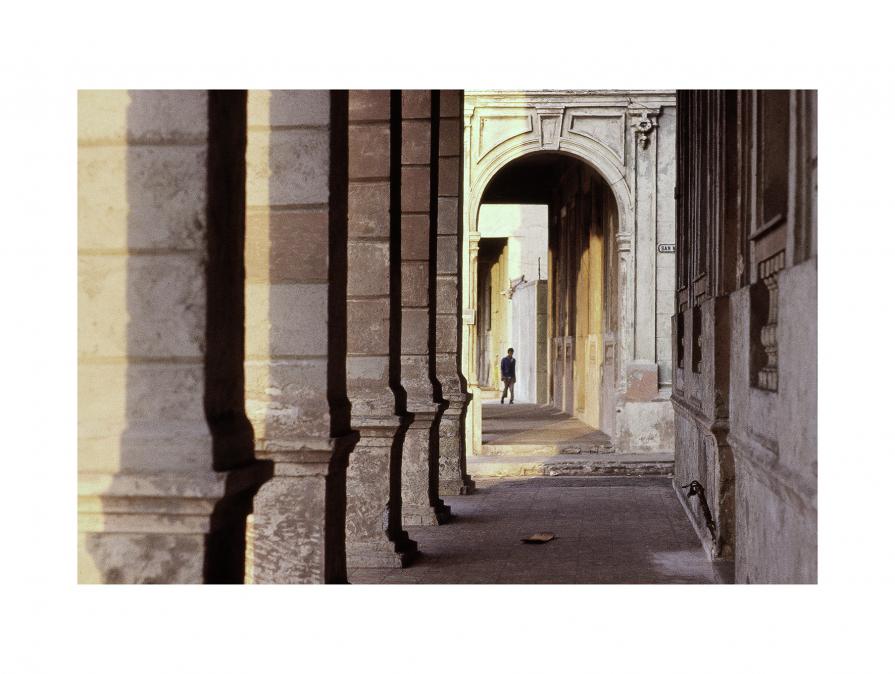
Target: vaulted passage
(558,321)
(293,308)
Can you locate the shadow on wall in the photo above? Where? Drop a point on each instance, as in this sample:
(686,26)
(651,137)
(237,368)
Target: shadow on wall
(396,457)
(232,434)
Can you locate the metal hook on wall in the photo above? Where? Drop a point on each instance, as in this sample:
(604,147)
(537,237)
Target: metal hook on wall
(696,489)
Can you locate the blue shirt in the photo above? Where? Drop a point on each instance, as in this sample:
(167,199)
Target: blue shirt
(508,367)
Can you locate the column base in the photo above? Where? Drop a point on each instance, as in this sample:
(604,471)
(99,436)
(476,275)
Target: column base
(452,487)
(415,516)
(457,487)
(296,531)
(381,554)
(453,479)
(374,537)
(165,527)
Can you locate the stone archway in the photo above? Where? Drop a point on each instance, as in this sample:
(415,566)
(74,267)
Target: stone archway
(628,139)
(560,319)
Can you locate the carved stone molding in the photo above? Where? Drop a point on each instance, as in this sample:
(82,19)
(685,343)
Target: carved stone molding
(643,126)
(549,126)
(495,129)
(605,126)
(767,272)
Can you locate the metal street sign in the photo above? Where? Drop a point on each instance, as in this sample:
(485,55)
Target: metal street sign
(666,247)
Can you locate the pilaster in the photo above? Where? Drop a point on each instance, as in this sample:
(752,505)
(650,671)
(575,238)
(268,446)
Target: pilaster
(644,122)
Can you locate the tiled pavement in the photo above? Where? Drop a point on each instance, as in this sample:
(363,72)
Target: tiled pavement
(608,530)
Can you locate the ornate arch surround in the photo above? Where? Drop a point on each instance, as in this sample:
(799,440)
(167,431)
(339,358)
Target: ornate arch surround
(586,149)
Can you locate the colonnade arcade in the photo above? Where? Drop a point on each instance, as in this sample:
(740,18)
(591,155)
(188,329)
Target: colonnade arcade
(268,331)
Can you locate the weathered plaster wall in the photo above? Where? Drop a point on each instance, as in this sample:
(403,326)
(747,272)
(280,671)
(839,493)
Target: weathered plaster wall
(495,311)
(529,340)
(665,234)
(745,331)
(774,440)
(520,231)
(701,424)
(579,206)
(525,228)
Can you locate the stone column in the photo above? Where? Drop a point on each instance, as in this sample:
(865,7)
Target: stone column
(296,533)
(469,282)
(375,537)
(165,463)
(473,434)
(420,504)
(453,478)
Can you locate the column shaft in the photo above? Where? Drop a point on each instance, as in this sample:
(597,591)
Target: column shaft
(375,537)
(166,468)
(296,531)
(419,471)
(453,478)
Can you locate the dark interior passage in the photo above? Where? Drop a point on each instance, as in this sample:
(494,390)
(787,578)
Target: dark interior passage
(581,290)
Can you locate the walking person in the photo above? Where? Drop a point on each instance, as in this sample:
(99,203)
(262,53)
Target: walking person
(508,375)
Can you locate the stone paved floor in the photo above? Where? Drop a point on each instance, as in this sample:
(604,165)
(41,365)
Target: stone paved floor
(608,529)
(523,424)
